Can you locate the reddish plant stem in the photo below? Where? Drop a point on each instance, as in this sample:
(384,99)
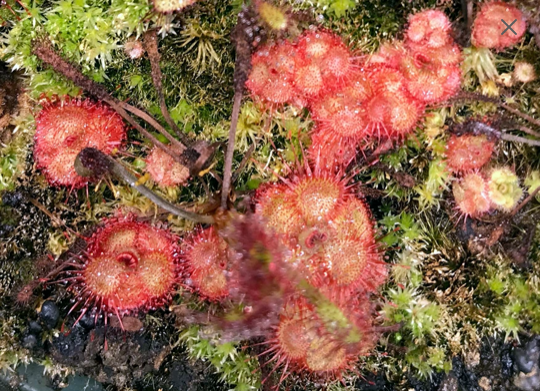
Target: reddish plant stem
(463,95)
(179,158)
(484,128)
(150,42)
(531,132)
(153,122)
(243,44)
(525,202)
(526,117)
(227,173)
(93,162)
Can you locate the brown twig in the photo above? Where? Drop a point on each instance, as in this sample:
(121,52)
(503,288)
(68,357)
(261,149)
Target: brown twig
(525,202)
(526,117)
(93,162)
(518,139)
(150,42)
(480,127)
(154,123)
(185,158)
(464,95)
(227,172)
(243,163)
(467,9)
(53,218)
(527,130)
(242,67)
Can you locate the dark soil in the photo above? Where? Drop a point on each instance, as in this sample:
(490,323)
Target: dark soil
(136,360)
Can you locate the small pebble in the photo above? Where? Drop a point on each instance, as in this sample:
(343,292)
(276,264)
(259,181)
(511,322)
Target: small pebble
(129,323)
(34,327)
(529,381)
(29,341)
(49,314)
(527,357)
(450,383)
(87,321)
(485,383)
(472,359)
(12,198)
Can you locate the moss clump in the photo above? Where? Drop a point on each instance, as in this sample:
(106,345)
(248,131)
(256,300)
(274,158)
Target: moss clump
(235,366)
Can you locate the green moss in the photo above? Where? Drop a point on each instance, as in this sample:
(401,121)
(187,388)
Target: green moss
(235,366)
(11,353)
(13,156)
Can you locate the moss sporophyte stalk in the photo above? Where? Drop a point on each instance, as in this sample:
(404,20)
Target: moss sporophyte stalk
(298,195)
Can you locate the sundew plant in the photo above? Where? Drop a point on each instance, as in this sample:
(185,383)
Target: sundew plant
(270,194)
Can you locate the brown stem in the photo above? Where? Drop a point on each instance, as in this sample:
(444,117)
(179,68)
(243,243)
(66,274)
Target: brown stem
(524,129)
(243,163)
(526,117)
(93,162)
(56,220)
(467,9)
(525,201)
(150,42)
(463,95)
(486,129)
(243,45)
(186,157)
(154,123)
(518,139)
(227,173)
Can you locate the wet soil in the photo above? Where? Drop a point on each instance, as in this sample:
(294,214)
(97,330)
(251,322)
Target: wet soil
(495,369)
(138,360)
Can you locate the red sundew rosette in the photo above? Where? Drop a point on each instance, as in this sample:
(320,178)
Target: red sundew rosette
(386,79)
(354,225)
(164,170)
(308,79)
(304,341)
(349,261)
(430,59)
(324,63)
(389,55)
(428,29)
(66,126)
(427,77)
(341,122)
(272,74)
(392,115)
(342,115)
(391,111)
(312,216)
(275,203)
(488,27)
(468,152)
(432,84)
(205,258)
(330,151)
(129,266)
(449,55)
(471,194)
(430,74)
(428,35)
